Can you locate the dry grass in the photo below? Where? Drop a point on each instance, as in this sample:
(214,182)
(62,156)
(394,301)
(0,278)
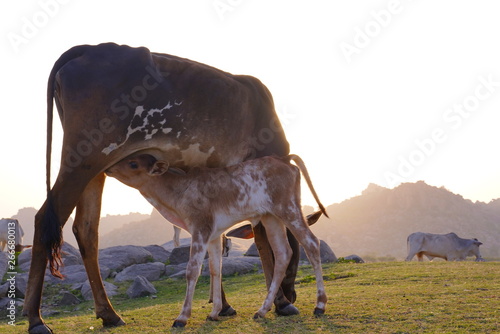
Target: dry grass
(391,297)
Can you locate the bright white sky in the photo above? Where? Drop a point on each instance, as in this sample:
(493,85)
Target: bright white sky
(362,87)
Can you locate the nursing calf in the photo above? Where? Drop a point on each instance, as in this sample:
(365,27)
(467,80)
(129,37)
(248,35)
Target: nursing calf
(208,201)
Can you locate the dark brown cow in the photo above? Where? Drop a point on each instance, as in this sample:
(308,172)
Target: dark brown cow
(114,101)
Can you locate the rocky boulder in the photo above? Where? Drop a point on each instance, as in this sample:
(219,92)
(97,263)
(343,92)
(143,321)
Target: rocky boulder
(235,265)
(119,257)
(111,290)
(355,258)
(4,261)
(159,253)
(326,253)
(140,288)
(151,271)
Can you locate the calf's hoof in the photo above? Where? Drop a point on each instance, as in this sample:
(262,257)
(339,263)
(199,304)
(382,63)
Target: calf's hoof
(318,312)
(288,309)
(179,324)
(227,312)
(40,329)
(258,316)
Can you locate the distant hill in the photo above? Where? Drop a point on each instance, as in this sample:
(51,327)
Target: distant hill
(379,220)
(26,217)
(153,230)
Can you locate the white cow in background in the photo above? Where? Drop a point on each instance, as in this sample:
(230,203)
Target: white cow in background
(10,229)
(446,246)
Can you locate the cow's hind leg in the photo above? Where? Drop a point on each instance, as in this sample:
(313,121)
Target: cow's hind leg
(39,261)
(85,229)
(286,294)
(49,222)
(276,234)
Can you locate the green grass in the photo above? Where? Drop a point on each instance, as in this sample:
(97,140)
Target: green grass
(390,297)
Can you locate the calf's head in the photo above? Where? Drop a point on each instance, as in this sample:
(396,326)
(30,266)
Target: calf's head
(135,171)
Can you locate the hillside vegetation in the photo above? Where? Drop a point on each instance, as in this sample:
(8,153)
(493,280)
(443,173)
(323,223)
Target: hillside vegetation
(391,297)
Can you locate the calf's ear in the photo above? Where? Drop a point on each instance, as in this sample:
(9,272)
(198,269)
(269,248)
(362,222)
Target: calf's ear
(159,168)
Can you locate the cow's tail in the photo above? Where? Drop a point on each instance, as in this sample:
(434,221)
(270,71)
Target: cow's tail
(302,166)
(51,225)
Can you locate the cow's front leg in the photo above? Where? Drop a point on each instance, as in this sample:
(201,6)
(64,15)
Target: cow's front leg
(215,264)
(85,229)
(198,251)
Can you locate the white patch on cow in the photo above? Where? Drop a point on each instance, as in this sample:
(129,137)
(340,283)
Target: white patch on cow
(193,156)
(140,123)
(150,135)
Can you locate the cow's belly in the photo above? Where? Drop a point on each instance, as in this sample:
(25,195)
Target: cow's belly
(192,153)
(435,254)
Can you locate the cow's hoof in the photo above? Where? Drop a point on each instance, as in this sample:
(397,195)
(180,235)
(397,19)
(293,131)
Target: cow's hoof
(179,324)
(40,329)
(318,312)
(227,312)
(114,323)
(287,310)
(210,318)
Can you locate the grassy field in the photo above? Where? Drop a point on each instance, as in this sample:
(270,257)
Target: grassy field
(390,297)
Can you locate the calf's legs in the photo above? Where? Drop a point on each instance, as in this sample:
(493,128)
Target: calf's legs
(215,264)
(197,255)
(311,247)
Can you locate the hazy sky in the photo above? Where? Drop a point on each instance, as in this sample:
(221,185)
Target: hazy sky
(368,91)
